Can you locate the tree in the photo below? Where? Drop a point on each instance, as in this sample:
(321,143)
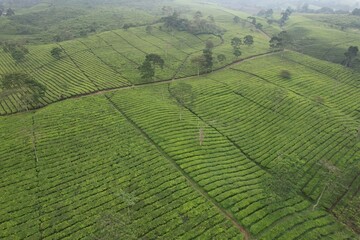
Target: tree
(29,90)
(248,40)
(209,44)
(258,26)
(199,61)
(350,56)
(285,74)
(147,69)
(356,12)
(149,29)
(221,57)
(266,13)
(236,19)
(16,51)
(183,95)
(252,19)
(1,12)
(126,26)
(18,55)
(285,16)
(208,64)
(10,12)
(237,53)
(56,52)
(280,41)
(236,42)
(198,15)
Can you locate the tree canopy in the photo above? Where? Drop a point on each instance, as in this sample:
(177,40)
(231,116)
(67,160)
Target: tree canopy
(350,56)
(29,89)
(56,52)
(248,40)
(147,69)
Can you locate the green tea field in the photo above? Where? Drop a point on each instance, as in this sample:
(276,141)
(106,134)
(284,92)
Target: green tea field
(126,158)
(177,119)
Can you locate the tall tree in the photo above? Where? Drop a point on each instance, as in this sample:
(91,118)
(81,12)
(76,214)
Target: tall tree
(285,16)
(280,41)
(235,43)
(10,12)
(207,54)
(147,69)
(29,90)
(199,61)
(356,12)
(350,56)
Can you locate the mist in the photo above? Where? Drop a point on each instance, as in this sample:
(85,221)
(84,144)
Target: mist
(295,4)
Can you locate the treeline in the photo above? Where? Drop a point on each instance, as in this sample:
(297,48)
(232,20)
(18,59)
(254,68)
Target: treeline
(199,24)
(327,10)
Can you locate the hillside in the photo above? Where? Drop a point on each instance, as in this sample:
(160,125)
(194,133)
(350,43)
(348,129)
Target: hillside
(138,132)
(264,145)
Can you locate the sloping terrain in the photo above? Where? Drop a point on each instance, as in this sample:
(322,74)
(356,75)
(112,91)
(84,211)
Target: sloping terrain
(134,158)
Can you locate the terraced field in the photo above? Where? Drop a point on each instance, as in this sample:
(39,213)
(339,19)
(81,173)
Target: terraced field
(126,158)
(111,59)
(90,174)
(316,38)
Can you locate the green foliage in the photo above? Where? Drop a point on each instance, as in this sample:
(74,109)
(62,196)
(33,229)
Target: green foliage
(147,69)
(237,52)
(221,57)
(285,74)
(236,19)
(197,26)
(285,16)
(252,20)
(236,42)
(29,89)
(248,40)
(17,51)
(208,59)
(149,29)
(356,12)
(56,52)
(350,55)
(266,13)
(280,41)
(10,12)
